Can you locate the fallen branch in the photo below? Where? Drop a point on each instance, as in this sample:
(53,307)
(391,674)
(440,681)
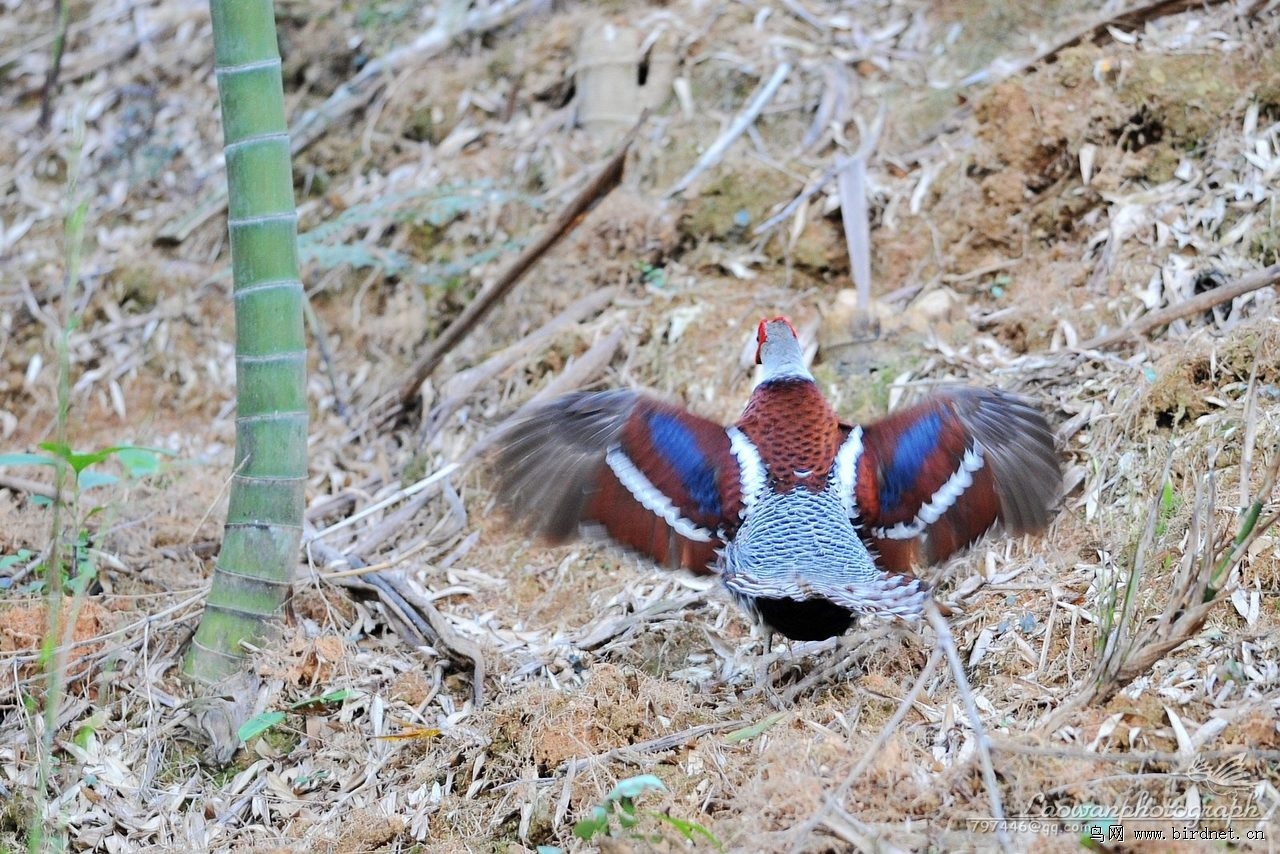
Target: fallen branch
(412,612)
(736,129)
(596,189)
(1200,303)
(575,375)
(1129,19)
(1137,757)
(461,386)
(870,139)
(31,487)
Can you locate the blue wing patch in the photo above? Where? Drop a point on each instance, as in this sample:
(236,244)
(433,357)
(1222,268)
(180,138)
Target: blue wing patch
(678,447)
(915,444)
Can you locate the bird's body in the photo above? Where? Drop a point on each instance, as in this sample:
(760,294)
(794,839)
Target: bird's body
(808,521)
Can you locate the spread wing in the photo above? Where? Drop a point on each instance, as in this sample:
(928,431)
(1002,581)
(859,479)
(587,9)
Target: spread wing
(653,476)
(932,479)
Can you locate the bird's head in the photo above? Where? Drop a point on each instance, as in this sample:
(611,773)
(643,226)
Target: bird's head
(778,350)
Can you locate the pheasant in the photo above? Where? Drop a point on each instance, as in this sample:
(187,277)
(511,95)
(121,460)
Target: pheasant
(807,521)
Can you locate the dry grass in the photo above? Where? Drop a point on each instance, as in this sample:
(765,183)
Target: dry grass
(1013,218)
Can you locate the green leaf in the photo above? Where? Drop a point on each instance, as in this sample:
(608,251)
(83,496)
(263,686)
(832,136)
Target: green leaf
(20,556)
(258,724)
(755,729)
(91,479)
(634,787)
(79,583)
(141,462)
(689,829)
(27,460)
(330,699)
(78,461)
(84,735)
(596,822)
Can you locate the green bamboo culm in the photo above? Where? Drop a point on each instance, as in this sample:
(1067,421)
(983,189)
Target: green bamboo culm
(264,521)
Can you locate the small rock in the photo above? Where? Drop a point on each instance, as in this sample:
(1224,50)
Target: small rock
(933,308)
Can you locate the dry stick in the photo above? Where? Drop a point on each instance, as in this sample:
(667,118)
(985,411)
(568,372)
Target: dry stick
(55,66)
(948,644)
(415,613)
(739,126)
(1128,19)
(32,487)
(320,335)
(656,745)
(1201,302)
(661,744)
(398,496)
(575,375)
(460,387)
(804,196)
(870,139)
(858,833)
(1135,757)
(871,753)
(597,188)
(338,501)
(355,94)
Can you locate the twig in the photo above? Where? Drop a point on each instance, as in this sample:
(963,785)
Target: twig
(739,126)
(55,65)
(871,753)
(804,196)
(459,388)
(1129,19)
(575,375)
(596,189)
(396,522)
(329,504)
(948,644)
(1201,302)
(870,138)
(857,832)
(31,487)
(654,745)
(853,650)
(805,15)
(321,337)
(399,495)
(381,566)
(1136,757)
(412,611)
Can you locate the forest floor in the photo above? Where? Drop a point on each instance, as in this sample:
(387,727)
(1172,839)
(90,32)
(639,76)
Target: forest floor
(1040,187)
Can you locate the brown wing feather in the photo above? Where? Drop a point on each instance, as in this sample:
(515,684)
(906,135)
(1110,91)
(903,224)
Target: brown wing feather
(1017,484)
(553,475)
